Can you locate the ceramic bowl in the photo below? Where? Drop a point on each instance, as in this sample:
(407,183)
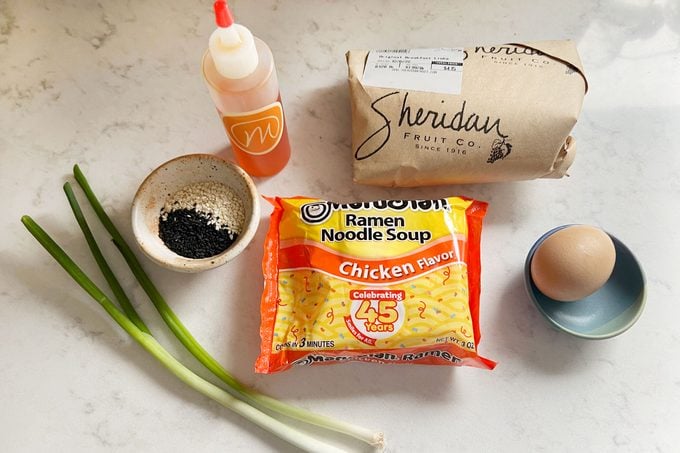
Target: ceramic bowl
(170,177)
(609,311)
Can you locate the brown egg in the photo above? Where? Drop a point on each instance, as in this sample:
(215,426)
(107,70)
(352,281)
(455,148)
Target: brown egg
(573,263)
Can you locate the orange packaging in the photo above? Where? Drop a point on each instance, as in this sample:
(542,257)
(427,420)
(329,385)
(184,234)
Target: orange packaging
(387,281)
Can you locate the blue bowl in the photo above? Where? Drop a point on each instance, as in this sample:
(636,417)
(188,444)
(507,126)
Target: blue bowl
(609,311)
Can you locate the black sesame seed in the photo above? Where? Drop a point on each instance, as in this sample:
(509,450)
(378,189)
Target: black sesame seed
(188,233)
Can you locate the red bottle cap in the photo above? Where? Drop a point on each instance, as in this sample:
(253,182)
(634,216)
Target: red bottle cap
(223,16)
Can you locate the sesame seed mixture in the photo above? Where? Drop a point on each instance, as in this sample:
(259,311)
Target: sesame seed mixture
(201,220)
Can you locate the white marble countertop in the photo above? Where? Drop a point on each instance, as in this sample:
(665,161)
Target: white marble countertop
(116,87)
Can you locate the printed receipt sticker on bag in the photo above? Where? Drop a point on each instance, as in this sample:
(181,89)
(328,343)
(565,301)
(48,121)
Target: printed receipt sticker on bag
(436,70)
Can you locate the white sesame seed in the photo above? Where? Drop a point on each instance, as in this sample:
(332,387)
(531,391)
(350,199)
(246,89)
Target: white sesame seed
(216,201)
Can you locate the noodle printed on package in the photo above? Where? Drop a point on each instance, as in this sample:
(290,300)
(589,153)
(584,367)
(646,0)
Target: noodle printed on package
(387,281)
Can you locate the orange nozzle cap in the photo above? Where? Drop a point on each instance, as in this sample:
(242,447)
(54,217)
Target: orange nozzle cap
(223,16)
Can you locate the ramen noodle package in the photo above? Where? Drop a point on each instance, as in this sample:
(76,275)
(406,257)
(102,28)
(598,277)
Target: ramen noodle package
(464,115)
(388,281)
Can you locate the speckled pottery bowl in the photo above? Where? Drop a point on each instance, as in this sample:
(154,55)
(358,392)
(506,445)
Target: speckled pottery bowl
(172,176)
(607,312)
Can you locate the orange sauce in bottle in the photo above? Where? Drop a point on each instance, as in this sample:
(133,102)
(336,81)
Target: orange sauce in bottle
(260,133)
(246,93)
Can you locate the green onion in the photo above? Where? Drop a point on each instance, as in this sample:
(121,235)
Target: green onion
(194,347)
(148,342)
(111,279)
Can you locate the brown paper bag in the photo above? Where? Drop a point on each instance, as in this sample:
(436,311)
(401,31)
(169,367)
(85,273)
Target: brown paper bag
(511,120)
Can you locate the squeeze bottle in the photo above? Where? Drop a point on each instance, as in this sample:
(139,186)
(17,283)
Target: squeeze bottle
(239,71)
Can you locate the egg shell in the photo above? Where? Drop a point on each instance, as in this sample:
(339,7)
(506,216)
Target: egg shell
(573,263)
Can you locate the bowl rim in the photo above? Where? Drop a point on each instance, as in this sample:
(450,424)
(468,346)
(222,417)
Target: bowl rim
(191,265)
(528,282)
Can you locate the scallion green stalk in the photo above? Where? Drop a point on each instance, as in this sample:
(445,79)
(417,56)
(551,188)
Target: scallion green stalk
(194,347)
(111,279)
(148,342)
